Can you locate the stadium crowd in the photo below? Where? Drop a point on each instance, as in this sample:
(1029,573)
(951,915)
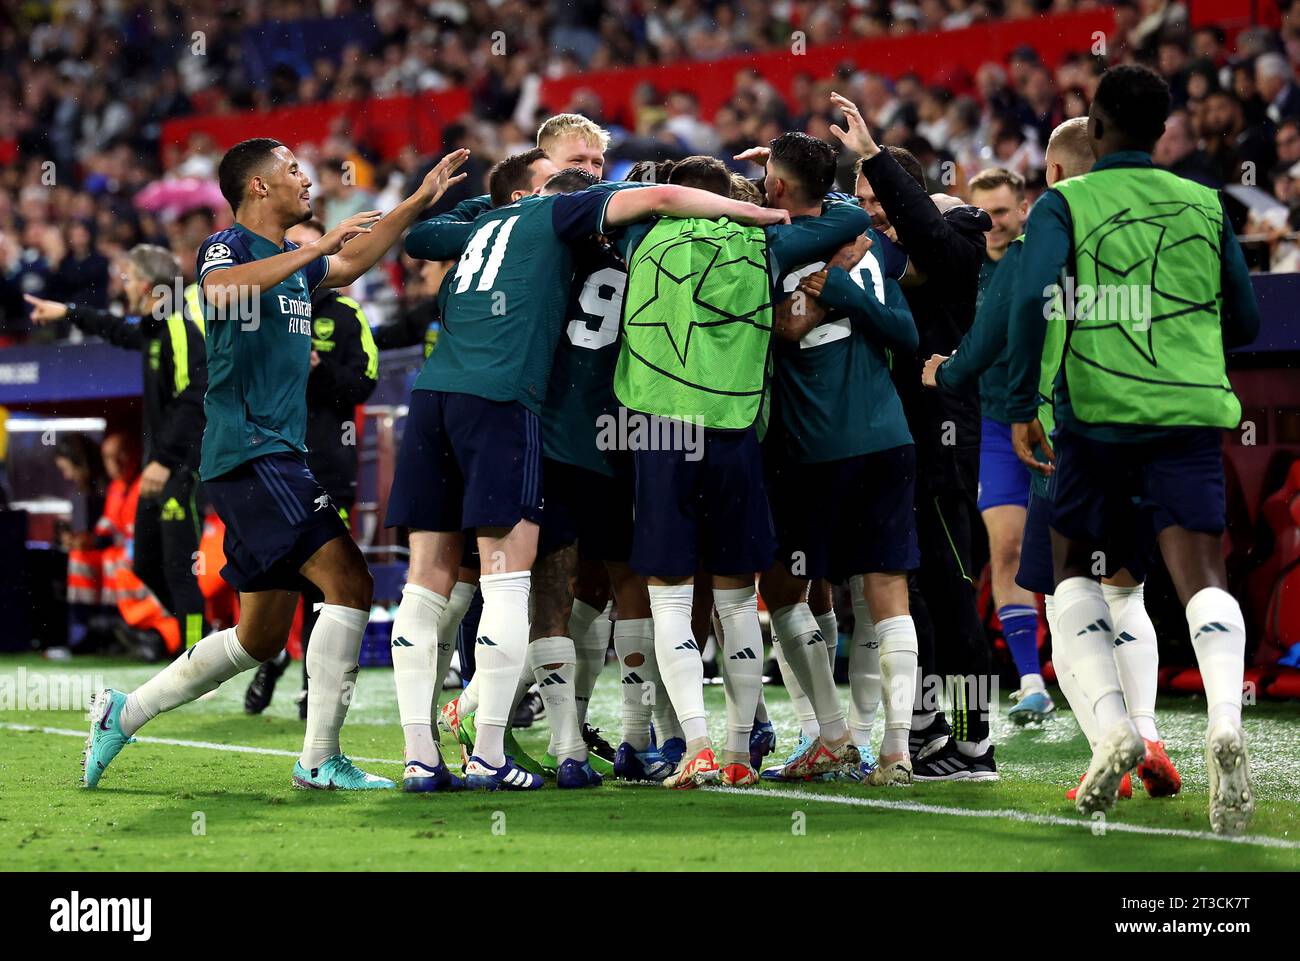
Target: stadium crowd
(85,93)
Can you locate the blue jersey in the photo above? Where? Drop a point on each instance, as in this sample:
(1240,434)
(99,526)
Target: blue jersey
(259,357)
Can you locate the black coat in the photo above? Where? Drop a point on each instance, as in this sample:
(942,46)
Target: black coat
(948,249)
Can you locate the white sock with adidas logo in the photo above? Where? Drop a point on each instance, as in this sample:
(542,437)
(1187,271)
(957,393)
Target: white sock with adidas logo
(638,676)
(554,665)
(500,651)
(332,670)
(742,649)
(801,642)
(462,595)
(898,650)
(1219,638)
(590,629)
(864,668)
(415,655)
(802,704)
(1088,637)
(678,655)
(1137,656)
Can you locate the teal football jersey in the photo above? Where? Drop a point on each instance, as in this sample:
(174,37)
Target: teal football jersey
(506,299)
(259,357)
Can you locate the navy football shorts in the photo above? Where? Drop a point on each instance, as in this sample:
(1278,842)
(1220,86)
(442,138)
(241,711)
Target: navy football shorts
(846,517)
(702,508)
(466,462)
(277,516)
(593,509)
(1105,493)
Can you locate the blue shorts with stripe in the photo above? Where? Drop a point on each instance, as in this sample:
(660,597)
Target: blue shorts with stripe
(277,516)
(466,461)
(1004,479)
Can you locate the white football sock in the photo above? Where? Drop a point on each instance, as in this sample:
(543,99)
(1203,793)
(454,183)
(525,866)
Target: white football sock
(332,671)
(638,680)
(556,686)
(1088,638)
(1219,638)
(678,655)
(760,709)
(1137,657)
(898,649)
(415,660)
(864,671)
(468,702)
(1065,676)
(500,651)
(803,708)
(801,642)
(590,630)
(742,649)
(829,625)
(205,666)
(448,627)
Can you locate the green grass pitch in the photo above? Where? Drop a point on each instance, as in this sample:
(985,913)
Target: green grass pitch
(166,806)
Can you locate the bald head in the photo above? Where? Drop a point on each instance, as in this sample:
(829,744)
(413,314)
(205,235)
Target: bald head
(1069,151)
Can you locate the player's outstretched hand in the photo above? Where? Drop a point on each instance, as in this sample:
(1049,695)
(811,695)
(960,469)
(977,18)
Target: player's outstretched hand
(758,155)
(931,369)
(757,216)
(857,138)
(45,311)
(359,223)
(851,254)
(1024,438)
(443,176)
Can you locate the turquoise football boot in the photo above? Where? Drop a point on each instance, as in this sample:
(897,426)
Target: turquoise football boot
(338,773)
(106,739)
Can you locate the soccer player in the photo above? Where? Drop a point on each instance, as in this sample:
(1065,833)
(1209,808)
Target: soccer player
(474,425)
(344,372)
(696,329)
(1004,481)
(169,515)
(1141,398)
(280,525)
(580,393)
(841,469)
(1069,154)
(590,490)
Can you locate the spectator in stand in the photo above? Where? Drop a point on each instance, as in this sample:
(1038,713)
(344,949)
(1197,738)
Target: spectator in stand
(1275,81)
(1177,151)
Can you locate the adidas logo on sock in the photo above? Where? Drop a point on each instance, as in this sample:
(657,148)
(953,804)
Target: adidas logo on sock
(743,655)
(688,646)
(1210,628)
(1098,625)
(1123,637)
(402,642)
(632,678)
(551,679)
(816,639)
(486,641)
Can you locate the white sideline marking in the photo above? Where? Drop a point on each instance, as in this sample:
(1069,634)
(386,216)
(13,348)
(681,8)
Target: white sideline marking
(1002,814)
(176,742)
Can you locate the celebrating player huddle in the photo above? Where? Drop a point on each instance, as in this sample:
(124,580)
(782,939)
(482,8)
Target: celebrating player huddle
(781,350)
